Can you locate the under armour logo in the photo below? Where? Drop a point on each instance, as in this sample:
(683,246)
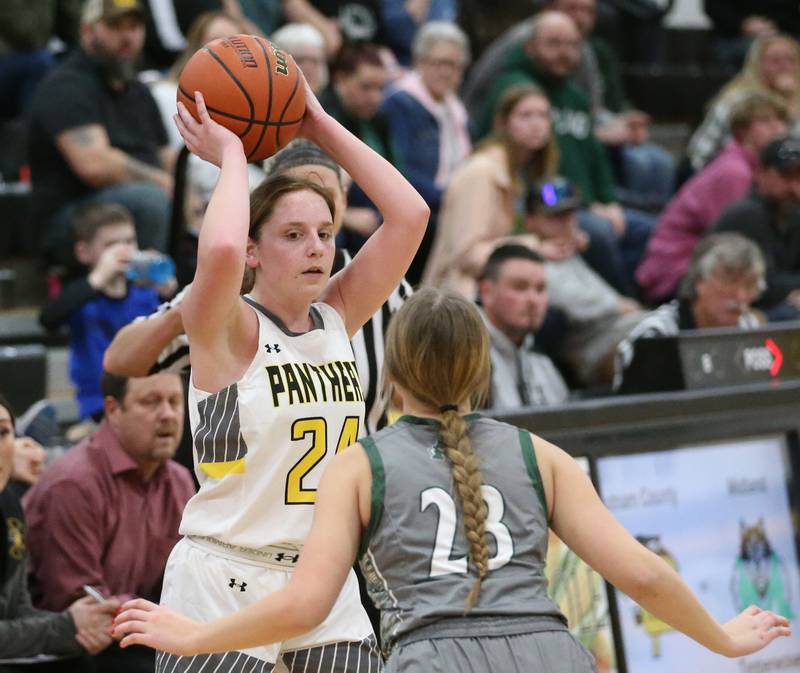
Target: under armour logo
(234,583)
(272,348)
(280,556)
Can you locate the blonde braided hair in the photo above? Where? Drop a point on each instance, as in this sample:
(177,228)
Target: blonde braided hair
(437,349)
(467,478)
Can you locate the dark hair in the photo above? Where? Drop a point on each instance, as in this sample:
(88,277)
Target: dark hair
(114,386)
(91,218)
(302,152)
(7,406)
(352,55)
(264,198)
(502,253)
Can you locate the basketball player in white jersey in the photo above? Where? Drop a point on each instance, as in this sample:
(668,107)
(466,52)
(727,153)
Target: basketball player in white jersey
(449,513)
(274,392)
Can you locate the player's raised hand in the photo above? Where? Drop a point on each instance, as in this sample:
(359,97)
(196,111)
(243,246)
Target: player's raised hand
(313,115)
(207,139)
(141,622)
(753,629)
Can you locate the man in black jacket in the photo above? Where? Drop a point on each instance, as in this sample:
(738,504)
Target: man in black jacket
(770,216)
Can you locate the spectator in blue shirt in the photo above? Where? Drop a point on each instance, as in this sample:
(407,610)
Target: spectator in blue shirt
(96,306)
(427,122)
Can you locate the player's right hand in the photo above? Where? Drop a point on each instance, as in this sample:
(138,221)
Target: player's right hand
(206,138)
(752,630)
(141,622)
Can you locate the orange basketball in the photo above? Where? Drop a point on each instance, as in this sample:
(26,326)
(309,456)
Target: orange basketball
(251,87)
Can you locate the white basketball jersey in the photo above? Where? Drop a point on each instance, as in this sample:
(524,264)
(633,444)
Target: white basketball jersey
(262,444)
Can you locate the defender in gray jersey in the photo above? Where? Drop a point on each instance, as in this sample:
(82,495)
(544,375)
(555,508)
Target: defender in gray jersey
(450,512)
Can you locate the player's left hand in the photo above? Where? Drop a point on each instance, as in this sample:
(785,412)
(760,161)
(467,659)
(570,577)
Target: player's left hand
(141,622)
(752,630)
(313,115)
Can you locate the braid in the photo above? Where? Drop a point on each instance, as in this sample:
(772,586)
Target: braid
(467,477)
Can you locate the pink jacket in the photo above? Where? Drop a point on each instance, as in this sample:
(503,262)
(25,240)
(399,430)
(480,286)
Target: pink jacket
(689,216)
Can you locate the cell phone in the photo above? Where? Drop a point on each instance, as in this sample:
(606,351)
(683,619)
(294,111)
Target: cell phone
(94,593)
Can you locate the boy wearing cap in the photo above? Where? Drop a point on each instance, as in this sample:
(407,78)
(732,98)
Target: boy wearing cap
(770,217)
(96,133)
(598,316)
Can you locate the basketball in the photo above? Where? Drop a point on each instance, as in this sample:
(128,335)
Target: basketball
(251,87)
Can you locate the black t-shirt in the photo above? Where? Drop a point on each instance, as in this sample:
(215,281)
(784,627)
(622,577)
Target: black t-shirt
(75,94)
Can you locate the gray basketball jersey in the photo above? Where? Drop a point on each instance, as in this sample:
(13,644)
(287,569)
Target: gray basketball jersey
(414,552)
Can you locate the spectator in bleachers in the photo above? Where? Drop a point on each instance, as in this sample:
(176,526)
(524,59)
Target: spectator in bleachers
(772,66)
(598,317)
(770,217)
(724,278)
(307,46)
(81,626)
(402,20)
(96,306)
(755,120)
(549,58)
(646,171)
(428,125)
(106,512)
(513,294)
(737,23)
(482,205)
(25,30)
(96,133)
(354,98)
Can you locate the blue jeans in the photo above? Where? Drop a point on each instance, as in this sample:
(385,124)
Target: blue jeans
(615,259)
(149,205)
(648,176)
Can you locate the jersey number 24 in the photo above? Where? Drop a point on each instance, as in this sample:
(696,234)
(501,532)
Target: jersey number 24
(317,429)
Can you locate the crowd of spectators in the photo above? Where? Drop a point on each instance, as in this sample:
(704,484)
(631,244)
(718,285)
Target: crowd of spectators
(551,206)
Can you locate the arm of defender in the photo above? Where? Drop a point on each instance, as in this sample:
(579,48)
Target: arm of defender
(90,155)
(135,349)
(582,521)
(343,502)
(360,289)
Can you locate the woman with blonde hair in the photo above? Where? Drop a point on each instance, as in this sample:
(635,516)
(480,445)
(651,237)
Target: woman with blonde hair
(482,206)
(772,67)
(449,513)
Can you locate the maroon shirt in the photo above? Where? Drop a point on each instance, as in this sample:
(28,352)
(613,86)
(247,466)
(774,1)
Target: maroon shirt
(92,520)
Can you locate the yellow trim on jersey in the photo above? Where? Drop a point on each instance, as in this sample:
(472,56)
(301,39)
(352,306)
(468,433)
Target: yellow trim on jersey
(219,470)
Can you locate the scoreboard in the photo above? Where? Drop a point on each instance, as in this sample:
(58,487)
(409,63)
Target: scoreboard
(714,357)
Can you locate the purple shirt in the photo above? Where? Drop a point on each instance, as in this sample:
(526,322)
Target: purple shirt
(92,520)
(689,216)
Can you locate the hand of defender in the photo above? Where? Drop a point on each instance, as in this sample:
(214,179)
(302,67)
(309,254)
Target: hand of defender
(144,623)
(206,138)
(752,630)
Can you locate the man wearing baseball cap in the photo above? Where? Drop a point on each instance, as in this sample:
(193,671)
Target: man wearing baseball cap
(97,135)
(598,316)
(770,217)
